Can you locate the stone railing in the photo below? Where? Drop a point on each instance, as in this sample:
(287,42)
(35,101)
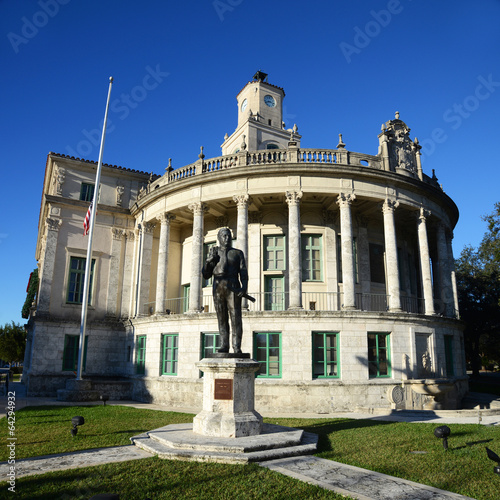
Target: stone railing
(273,157)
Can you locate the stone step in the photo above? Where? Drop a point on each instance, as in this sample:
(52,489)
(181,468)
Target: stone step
(480,400)
(178,442)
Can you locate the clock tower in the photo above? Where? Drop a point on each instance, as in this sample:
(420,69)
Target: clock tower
(260,118)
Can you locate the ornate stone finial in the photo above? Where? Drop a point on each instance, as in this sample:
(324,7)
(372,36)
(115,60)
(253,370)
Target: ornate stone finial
(341,144)
(201,155)
(169,166)
(382,128)
(225,136)
(243,145)
(295,128)
(416,140)
(397,115)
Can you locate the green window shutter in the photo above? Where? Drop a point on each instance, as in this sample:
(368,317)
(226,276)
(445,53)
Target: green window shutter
(267,351)
(325,355)
(76,280)
(140,360)
(70,353)
(170,352)
(379,355)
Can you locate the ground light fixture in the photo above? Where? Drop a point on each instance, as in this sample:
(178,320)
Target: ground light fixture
(76,421)
(104,398)
(442,432)
(493,456)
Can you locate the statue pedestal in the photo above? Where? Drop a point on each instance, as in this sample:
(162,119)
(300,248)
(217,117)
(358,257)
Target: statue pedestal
(228,398)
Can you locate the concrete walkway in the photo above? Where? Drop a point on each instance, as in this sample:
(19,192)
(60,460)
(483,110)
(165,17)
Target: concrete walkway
(345,479)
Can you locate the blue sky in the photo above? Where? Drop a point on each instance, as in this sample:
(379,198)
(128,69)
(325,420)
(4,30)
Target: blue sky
(346,67)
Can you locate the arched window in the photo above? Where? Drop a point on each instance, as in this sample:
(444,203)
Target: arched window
(272,146)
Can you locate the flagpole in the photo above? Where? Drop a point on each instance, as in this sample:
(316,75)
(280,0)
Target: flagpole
(88,262)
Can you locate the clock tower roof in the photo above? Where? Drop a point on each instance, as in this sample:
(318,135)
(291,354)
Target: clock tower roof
(261,77)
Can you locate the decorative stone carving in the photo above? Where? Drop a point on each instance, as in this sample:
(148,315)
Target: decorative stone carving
(198,208)
(53,224)
(293,197)
(345,200)
(389,206)
(402,150)
(147,227)
(60,177)
(221,221)
(254,217)
(120,189)
(117,233)
(241,199)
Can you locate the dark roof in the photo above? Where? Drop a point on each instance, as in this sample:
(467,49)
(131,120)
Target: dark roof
(104,164)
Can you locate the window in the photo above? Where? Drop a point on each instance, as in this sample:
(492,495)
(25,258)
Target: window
(274,296)
(311,257)
(210,342)
(377,270)
(140,360)
(87,191)
(267,351)
(339,258)
(272,146)
(76,280)
(379,363)
(325,355)
(170,349)
(448,353)
(70,354)
(206,249)
(185,298)
(274,253)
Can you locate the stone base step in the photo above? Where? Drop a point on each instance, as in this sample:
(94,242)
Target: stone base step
(480,401)
(179,442)
(75,395)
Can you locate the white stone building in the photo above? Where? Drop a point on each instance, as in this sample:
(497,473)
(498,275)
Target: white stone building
(349,257)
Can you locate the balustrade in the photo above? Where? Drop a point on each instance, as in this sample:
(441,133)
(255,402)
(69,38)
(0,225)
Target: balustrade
(278,301)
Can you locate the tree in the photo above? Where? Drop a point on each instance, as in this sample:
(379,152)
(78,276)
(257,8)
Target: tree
(478,283)
(12,343)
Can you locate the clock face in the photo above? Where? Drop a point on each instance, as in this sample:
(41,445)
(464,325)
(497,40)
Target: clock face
(244,105)
(269,100)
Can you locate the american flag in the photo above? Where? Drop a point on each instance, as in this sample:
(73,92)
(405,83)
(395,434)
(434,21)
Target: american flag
(86,222)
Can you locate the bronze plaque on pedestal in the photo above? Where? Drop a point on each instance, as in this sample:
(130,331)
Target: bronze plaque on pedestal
(223,388)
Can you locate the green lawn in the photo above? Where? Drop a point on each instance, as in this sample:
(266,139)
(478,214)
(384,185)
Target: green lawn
(382,446)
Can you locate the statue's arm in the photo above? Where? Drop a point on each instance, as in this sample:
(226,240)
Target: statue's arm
(243,273)
(212,259)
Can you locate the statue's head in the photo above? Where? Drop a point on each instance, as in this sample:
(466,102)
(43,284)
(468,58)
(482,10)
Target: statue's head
(224,237)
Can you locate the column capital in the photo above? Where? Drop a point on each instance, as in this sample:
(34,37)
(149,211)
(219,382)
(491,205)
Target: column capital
(117,233)
(53,224)
(147,227)
(344,200)
(242,200)
(389,206)
(165,218)
(293,197)
(198,208)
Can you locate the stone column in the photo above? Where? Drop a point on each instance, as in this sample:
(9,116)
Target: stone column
(47,274)
(114,271)
(129,273)
(242,230)
(195,290)
(452,274)
(161,281)
(146,251)
(344,201)
(294,259)
(425,265)
(391,255)
(445,285)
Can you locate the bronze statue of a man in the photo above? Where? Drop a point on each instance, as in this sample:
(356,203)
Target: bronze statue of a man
(230,280)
